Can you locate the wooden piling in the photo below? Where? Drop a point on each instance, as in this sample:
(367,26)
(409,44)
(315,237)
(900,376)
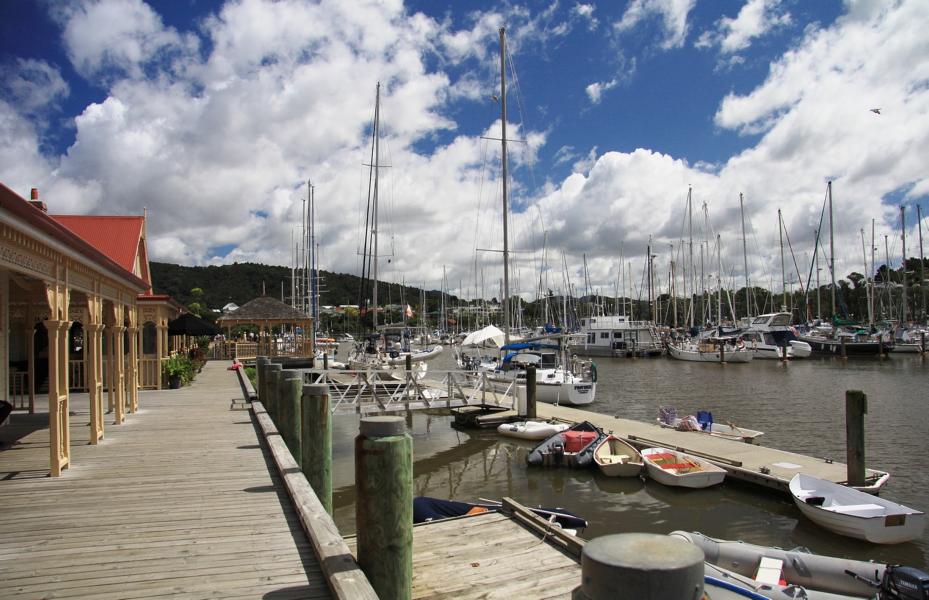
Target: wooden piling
(291,413)
(784,353)
(325,362)
(880,346)
(274,372)
(384,505)
(722,353)
(629,566)
(261,364)
(922,343)
(844,353)
(856,407)
(316,444)
(531,389)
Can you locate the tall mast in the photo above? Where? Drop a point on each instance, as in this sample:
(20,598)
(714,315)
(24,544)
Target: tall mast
(922,267)
(314,282)
(780,230)
(506,247)
(375,165)
(819,305)
(867,289)
(690,252)
(831,248)
(903,310)
(719,281)
(873,291)
(748,304)
(887,278)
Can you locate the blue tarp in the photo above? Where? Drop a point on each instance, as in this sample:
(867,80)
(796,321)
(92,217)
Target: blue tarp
(529,346)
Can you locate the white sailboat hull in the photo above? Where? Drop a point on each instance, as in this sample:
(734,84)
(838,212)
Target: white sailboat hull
(693,355)
(574,394)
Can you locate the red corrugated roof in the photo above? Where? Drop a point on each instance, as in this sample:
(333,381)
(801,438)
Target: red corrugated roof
(116,236)
(20,208)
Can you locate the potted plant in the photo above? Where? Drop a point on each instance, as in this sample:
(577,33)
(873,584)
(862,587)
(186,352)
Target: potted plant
(174,369)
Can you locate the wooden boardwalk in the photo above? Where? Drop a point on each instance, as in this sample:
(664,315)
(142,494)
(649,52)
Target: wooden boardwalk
(181,501)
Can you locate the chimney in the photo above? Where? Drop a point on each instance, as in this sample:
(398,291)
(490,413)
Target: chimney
(36,202)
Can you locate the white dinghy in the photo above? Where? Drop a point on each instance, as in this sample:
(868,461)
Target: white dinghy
(670,467)
(531,430)
(618,458)
(855,514)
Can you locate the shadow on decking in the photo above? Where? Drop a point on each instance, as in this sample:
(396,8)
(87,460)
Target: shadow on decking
(13,439)
(305,548)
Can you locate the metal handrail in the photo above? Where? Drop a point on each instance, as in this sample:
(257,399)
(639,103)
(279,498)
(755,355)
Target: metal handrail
(367,391)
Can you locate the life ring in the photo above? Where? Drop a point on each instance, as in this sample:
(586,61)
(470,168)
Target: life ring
(740,345)
(394,354)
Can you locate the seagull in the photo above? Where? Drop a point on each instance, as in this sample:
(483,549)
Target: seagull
(876,111)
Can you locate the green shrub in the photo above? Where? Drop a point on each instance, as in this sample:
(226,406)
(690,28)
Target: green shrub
(180,366)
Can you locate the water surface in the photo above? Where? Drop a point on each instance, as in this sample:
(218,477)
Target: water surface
(800,407)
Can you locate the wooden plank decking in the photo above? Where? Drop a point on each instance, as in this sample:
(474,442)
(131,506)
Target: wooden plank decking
(181,501)
(487,556)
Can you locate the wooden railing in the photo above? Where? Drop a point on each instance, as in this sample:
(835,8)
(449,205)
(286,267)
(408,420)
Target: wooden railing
(76,380)
(19,392)
(149,372)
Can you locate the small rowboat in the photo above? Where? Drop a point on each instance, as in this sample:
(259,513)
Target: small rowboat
(855,514)
(670,467)
(616,458)
(531,430)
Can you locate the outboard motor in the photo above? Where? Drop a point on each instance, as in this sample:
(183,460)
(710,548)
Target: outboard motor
(905,583)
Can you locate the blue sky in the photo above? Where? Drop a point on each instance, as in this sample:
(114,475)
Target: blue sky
(212,116)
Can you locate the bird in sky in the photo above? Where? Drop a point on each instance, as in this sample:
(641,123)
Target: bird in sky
(876,111)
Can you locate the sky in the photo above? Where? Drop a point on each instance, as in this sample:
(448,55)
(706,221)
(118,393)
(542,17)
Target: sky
(213,116)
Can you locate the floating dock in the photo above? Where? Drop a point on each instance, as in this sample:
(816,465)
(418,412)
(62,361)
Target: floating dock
(750,463)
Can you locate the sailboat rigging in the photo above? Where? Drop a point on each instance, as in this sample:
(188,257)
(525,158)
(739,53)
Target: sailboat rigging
(387,349)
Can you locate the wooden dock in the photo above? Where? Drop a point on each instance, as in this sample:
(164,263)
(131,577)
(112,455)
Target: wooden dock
(181,501)
(493,555)
(750,463)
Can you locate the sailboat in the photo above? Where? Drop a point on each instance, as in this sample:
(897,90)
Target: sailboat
(384,348)
(831,338)
(559,380)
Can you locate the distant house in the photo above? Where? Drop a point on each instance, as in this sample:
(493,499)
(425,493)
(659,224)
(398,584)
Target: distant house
(231,307)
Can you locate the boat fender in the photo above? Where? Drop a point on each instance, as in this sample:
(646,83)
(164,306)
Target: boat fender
(593,372)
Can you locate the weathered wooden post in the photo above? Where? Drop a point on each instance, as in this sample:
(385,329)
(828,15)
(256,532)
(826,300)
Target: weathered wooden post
(630,566)
(844,353)
(274,372)
(384,505)
(856,407)
(316,444)
(722,352)
(530,392)
(325,362)
(784,353)
(880,346)
(922,343)
(261,378)
(291,413)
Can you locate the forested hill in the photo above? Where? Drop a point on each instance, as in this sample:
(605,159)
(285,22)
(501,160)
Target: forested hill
(241,282)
